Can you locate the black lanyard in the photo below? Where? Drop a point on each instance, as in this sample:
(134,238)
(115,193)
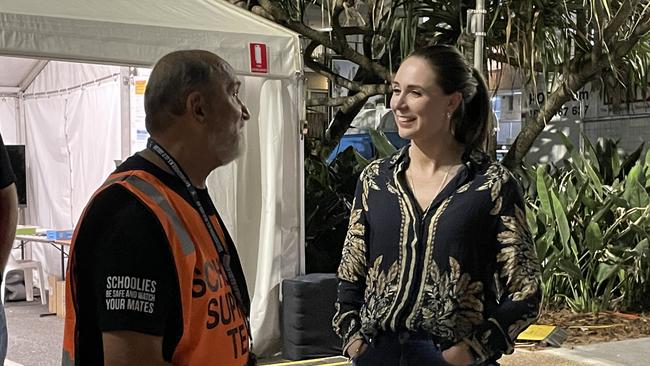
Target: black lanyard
(223,254)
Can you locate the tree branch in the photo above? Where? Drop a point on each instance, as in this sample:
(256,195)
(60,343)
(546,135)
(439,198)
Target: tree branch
(621,48)
(337,30)
(348,31)
(343,48)
(643,27)
(534,126)
(623,13)
(339,42)
(329,102)
(500,57)
(325,71)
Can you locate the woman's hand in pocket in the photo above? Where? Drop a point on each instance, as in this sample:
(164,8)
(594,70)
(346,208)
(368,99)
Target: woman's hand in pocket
(458,355)
(356,348)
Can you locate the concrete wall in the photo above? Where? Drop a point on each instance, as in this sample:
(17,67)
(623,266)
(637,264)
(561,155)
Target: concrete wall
(631,130)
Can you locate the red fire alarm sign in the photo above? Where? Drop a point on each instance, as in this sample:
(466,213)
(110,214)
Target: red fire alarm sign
(259,59)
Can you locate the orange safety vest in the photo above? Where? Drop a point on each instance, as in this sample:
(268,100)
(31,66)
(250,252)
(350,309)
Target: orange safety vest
(215,328)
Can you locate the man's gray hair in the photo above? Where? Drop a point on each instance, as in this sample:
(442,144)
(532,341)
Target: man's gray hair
(173,78)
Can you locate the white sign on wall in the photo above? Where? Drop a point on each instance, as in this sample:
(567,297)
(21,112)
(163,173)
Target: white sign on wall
(139,134)
(582,107)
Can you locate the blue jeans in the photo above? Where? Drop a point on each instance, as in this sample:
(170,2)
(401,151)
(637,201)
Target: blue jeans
(389,350)
(3,332)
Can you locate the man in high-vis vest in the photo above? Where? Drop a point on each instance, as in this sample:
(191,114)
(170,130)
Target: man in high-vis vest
(153,276)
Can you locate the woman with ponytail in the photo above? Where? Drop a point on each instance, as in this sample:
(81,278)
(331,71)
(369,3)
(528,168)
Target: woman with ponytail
(438,267)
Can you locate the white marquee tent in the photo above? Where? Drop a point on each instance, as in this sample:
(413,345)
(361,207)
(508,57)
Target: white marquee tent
(65,94)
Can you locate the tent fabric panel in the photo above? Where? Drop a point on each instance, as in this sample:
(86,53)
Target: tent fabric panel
(59,75)
(9,121)
(263,206)
(72,139)
(14,70)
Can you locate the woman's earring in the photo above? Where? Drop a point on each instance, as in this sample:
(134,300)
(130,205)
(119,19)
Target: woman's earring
(448,115)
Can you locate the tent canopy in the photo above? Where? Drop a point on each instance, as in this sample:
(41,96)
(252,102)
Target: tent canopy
(16,74)
(137,33)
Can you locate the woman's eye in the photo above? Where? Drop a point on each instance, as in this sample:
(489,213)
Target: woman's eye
(416,92)
(396,91)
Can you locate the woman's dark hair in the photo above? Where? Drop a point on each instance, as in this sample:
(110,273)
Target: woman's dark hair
(453,74)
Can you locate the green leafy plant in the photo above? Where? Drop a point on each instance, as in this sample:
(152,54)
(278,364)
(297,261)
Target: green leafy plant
(590,219)
(329,194)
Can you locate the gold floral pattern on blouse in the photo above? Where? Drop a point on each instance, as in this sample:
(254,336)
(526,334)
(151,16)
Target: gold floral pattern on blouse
(381,289)
(495,177)
(369,180)
(518,257)
(451,302)
(354,251)
(346,329)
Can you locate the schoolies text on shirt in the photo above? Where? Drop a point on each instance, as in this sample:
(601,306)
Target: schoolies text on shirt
(130,293)
(222,308)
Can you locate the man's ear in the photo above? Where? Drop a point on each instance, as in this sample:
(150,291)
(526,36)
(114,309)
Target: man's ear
(195,105)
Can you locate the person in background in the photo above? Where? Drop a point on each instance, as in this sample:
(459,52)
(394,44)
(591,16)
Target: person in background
(153,276)
(438,266)
(8,221)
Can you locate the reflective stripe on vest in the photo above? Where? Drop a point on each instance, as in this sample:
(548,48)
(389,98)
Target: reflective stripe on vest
(151,191)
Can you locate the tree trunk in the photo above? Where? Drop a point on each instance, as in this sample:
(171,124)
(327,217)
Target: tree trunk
(491,138)
(343,119)
(533,126)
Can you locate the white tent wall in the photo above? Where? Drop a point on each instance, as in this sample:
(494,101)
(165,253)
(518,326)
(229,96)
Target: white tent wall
(9,127)
(262,208)
(72,138)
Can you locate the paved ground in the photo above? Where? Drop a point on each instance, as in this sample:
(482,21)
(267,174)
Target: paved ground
(519,358)
(33,340)
(36,341)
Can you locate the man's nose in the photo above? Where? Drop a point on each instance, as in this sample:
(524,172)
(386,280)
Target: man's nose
(245,114)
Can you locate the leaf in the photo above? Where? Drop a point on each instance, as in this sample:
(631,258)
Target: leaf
(605,271)
(634,174)
(595,180)
(635,194)
(542,192)
(562,222)
(616,165)
(570,268)
(643,247)
(593,237)
(382,144)
(542,247)
(531,218)
(609,202)
(566,142)
(362,161)
(631,160)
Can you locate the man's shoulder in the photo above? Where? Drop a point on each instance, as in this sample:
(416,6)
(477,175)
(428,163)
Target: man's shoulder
(115,204)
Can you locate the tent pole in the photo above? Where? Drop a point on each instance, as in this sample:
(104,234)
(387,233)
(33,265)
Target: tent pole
(125,109)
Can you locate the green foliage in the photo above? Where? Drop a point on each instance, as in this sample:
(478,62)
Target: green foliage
(329,192)
(590,219)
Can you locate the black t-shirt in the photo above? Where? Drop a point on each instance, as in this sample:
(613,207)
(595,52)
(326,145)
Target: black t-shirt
(6,172)
(121,246)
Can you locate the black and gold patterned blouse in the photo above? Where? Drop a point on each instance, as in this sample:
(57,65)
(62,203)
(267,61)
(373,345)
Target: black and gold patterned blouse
(463,270)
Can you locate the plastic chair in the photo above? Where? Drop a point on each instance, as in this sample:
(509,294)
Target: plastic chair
(27,266)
